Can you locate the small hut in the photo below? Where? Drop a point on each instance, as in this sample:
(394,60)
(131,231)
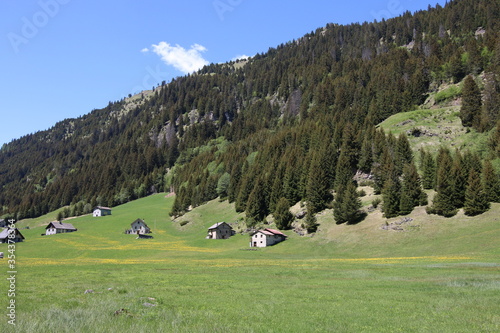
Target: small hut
(220,230)
(266,237)
(101,211)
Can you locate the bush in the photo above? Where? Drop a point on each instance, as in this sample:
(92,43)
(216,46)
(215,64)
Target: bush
(376,202)
(183,223)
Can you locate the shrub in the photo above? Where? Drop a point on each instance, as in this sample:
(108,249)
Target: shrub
(376,202)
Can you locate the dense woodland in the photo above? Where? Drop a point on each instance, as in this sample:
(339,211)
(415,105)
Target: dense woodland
(293,124)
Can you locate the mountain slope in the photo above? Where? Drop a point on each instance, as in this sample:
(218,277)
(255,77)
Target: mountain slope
(285,101)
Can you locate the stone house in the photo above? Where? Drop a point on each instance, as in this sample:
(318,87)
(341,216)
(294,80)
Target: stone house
(220,230)
(4,236)
(59,228)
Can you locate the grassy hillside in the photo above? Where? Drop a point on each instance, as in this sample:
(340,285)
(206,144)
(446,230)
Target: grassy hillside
(432,128)
(438,275)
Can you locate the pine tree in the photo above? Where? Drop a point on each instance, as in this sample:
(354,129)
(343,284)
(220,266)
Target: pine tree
(411,190)
(391,195)
(459,175)
(351,204)
(470,112)
(317,191)
(311,224)
(443,203)
(475,199)
(282,216)
(494,141)
(428,171)
(491,107)
(344,173)
(256,205)
(338,204)
(366,159)
(233,189)
(384,170)
(403,153)
(490,182)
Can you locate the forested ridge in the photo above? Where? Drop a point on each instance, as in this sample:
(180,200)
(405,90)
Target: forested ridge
(294,123)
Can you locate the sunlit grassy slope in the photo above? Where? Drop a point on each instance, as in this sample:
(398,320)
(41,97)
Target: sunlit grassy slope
(440,275)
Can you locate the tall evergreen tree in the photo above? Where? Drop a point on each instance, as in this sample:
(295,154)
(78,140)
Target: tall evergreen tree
(411,190)
(391,195)
(475,199)
(459,174)
(443,203)
(491,107)
(256,207)
(403,153)
(347,205)
(470,112)
(317,192)
(310,224)
(490,182)
(282,216)
(428,171)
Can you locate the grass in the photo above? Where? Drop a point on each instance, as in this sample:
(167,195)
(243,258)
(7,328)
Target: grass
(433,128)
(440,277)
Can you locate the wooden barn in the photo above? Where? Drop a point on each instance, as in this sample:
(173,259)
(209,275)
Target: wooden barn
(138,227)
(4,236)
(220,230)
(266,237)
(59,228)
(101,211)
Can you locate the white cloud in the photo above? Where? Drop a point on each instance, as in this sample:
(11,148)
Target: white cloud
(144,50)
(186,61)
(240,57)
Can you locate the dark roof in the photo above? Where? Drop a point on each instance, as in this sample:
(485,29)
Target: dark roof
(216,225)
(102,208)
(5,233)
(270,232)
(60,225)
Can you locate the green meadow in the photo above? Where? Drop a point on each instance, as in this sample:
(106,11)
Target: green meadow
(435,275)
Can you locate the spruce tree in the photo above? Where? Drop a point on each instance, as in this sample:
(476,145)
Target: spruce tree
(491,107)
(459,176)
(428,171)
(344,173)
(338,204)
(443,203)
(317,191)
(351,204)
(491,183)
(366,159)
(391,195)
(475,199)
(494,141)
(470,112)
(282,216)
(256,207)
(403,153)
(311,224)
(411,190)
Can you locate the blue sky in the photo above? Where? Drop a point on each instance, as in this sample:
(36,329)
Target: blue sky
(62,58)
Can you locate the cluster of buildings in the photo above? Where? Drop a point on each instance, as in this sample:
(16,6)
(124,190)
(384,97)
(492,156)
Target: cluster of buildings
(260,238)
(221,230)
